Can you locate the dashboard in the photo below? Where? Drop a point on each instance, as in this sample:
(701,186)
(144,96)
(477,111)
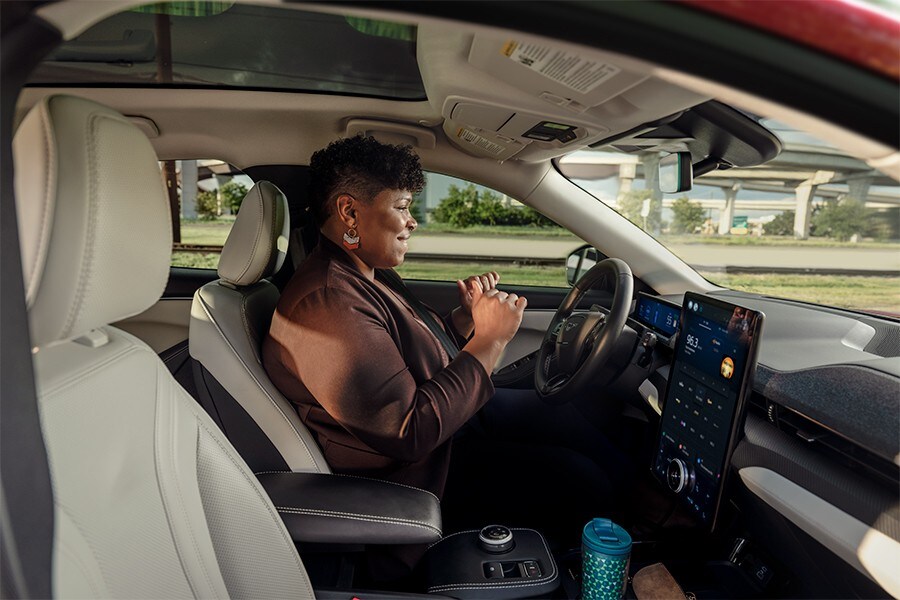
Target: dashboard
(817,454)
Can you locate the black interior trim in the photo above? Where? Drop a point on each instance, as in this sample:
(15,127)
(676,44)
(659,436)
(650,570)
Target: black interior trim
(26,496)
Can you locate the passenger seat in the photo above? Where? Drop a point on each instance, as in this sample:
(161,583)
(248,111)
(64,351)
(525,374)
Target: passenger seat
(229,320)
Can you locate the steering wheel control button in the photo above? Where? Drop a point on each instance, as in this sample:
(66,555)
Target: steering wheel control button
(496,539)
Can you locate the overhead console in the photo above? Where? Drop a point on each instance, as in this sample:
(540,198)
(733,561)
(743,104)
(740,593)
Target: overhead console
(533,100)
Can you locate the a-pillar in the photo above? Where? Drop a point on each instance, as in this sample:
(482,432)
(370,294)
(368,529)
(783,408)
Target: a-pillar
(726,217)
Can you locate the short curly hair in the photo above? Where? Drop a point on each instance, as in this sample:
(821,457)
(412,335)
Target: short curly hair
(362,167)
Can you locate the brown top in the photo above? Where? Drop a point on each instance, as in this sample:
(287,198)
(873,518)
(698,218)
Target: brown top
(367,376)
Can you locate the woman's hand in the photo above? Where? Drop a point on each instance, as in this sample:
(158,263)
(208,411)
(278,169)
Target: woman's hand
(467,288)
(496,316)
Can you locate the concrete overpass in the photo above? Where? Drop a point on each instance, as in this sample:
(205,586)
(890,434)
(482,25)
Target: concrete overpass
(801,171)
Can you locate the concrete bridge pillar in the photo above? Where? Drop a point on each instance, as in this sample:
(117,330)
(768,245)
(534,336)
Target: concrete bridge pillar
(858,189)
(726,217)
(627,173)
(805,193)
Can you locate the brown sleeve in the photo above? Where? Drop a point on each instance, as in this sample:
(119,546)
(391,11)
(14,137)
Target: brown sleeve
(343,351)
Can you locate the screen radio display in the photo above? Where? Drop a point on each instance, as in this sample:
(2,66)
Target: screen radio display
(714,361)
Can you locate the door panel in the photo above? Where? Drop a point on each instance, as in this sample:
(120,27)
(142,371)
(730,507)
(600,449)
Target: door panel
(161,326)
(166,323)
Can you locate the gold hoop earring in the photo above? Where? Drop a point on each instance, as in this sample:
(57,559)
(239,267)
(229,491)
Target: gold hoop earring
(351,239)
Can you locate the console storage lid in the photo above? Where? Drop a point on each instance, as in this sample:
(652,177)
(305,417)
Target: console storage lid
(344,509)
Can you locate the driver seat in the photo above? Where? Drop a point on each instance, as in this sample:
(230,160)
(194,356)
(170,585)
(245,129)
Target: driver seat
(151,500)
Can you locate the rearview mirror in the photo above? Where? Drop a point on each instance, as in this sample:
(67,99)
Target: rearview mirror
(676,174)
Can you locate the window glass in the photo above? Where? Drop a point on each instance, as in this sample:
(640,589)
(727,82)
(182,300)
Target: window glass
(813,224)
(206,195)
(466,229)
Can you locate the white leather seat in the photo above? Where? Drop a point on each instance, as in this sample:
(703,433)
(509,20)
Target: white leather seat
(151,500)
(229,320)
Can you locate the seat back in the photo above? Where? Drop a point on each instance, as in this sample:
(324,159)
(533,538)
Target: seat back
(229,320)
(150,498)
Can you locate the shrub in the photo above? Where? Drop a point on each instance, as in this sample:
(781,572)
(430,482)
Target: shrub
(467,206)
(687,216)
(232,195)
(841,220)
(633,202)
(783,224)
(207,205)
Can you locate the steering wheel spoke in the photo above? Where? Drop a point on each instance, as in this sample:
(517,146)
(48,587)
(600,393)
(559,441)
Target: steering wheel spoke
(579,344)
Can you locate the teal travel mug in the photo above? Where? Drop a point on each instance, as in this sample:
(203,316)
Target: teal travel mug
(605,553)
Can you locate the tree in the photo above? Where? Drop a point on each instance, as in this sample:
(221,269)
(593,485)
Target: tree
(782,224)
(632,204)
(233,194)
(459,207)
(207,205)
(688,216)
(841,220)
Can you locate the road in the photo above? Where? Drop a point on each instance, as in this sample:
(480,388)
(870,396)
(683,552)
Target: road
(706,255)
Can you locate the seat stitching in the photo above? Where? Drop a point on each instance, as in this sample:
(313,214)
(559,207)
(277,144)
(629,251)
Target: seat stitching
(259,229)
(258,384)
(389,482)
(66,548)
(358,517)
(255,486)
(163,483)
(411,487)
(87,258)
(47,205)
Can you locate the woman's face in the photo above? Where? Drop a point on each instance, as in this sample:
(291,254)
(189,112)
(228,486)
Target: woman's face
(384,225)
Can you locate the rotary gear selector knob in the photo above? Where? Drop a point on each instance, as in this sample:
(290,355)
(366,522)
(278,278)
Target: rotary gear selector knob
(496,539)
(679,476)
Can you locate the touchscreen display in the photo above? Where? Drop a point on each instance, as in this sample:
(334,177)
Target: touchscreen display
(714,359)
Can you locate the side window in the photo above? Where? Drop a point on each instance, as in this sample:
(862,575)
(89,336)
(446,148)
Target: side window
(466,229)
(205,195)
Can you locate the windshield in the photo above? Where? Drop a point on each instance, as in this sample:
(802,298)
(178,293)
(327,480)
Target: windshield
(814,224)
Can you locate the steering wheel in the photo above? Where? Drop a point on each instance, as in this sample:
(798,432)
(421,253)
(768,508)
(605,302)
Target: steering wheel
(576,346)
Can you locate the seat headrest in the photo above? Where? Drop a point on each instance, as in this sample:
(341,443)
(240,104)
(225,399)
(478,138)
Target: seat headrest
(258,241)
(94,224)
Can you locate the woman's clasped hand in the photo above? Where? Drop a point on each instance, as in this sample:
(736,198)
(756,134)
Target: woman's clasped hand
(495,315)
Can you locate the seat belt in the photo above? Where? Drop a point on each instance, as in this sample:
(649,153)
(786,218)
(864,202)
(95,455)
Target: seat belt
(390,278)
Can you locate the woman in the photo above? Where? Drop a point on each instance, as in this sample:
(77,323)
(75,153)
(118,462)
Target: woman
(380,392)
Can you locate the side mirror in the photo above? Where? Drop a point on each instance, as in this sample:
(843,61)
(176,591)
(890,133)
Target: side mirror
(676,173)
(580,262)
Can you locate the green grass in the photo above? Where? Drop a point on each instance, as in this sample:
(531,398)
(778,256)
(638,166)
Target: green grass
(196,260)
(845,291)
(747,240)
(206,233)
(492,230)
(509,274)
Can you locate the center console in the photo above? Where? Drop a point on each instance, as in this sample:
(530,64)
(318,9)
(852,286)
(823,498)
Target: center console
(494,562)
